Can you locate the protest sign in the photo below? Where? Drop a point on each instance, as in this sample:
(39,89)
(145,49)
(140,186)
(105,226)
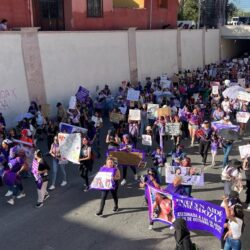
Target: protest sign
(244,151)
(242,82)
(70,146)
(173,129)
(123,110)
(28,149)
(72,102)
(166,84)
(116,117)
(70,129)
(218,125)
(147,140)
(190,175)
(133,95)
(245,60)
(82,94)
(244,96)
(45,109)
(215,90)
(134,115)
(128,158)
(164,112)
(196,96)
(152,110)
(104,179)
(199,214)
(242,117)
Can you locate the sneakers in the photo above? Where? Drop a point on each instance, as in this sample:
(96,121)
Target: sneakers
(52,187)
(64,183)
(46,197)
(136,177)
(39,204)
(150,227)
(99,214)
(9,193)
(115,210)
(21,195)
(11,202)
(86,189)
(171,228)
(123,182)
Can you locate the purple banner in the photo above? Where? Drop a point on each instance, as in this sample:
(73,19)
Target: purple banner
(104,179)
(199,214)
(82,94)
(218,126)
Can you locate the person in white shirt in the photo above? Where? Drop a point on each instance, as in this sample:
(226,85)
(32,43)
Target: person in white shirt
(226,105)
(98,123)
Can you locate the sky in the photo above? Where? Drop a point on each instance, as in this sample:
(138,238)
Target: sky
(242,4)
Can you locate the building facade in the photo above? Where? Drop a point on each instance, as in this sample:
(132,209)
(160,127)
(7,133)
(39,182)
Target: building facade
(90,14)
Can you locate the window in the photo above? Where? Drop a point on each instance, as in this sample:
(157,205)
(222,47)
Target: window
(163,4)
(49,8)
(94,8)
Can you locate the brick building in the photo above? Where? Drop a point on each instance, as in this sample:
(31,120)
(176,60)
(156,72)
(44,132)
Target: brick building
(90,14)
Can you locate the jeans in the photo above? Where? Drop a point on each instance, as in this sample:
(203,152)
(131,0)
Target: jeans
(232,244)
(104,196)
(226,150)
(188,190)
(227,187)
(42,192)
(55,167)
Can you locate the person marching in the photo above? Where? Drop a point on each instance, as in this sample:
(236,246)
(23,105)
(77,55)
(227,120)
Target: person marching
(116,177)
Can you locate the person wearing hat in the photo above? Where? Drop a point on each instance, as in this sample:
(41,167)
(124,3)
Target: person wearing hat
(205,141)
(231,176)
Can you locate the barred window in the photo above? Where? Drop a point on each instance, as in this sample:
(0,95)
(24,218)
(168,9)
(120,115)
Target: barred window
(95,8)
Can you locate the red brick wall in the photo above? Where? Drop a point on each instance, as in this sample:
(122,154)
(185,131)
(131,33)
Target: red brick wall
(17,12)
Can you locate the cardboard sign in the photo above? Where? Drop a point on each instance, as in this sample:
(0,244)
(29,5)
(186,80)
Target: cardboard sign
(242,117)
(134,115)
(190,175)
(116,117)
(215,90)
(45,109)
(147,140)
(152,110)
(164,112)
(244,151)
(127,158)
(242,82)
(244,96)
(133,95)
(173,129)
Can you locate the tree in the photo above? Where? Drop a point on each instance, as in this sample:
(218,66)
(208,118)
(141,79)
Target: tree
(231,10)
(189,10)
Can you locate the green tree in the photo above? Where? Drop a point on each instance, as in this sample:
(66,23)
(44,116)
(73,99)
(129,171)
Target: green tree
(189,10)
(231,10)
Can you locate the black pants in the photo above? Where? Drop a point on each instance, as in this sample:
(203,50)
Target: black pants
(185,129)
(104,196)
(203,149)
(84,169)
(247,191)
(125,170)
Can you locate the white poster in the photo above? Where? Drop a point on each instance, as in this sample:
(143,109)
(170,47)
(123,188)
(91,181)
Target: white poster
(215,90)
(242,117)
(72,102)
(244,96)
(244,151)
(134,115)
(246,60)
(147,140)
(242,82)
(70,146)
(133,95)
(152,110)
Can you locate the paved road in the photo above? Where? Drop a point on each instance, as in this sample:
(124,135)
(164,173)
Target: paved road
(67,221)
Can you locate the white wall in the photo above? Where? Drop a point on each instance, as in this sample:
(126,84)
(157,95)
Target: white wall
(156,53)
(191,49)
(212,49)
(13,89)
(89,59)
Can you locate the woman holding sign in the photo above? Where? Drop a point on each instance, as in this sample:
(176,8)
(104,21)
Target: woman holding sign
(116,177)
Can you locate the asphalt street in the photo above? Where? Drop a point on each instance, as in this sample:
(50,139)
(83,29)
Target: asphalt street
(67,220)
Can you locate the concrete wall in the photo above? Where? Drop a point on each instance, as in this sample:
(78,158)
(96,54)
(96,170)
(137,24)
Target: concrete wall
(14,97)
(64,60)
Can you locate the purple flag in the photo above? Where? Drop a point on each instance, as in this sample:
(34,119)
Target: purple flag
(199,214)
(82,94)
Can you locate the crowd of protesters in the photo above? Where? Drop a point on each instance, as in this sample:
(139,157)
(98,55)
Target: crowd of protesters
(193,107)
